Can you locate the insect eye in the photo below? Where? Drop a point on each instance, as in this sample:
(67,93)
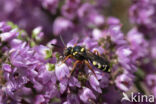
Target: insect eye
(67,51)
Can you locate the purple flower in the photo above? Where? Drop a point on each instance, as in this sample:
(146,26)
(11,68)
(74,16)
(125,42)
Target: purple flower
(42,52)
(51,91)
(7,67)
(89,15)
(153,48)
(104,82)
(116,35)
(89,43)
(32,71)
(137,43)
(151,80)
(7,36)
(72,42)
(124,58)
(97,34)
(37,33)
(63,85)
(22,56)
(72,98)
(73,82)
(69,9)
(15,43)
(61,24)
(39,99)
(4,27)
(95,84)
(61,71)
(49,44)
(143,13)
(86,94)
(154,91)
(124,81)
(51,5)
(45,76)
(113,21)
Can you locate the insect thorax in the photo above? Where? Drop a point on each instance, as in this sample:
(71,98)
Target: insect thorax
(78,52)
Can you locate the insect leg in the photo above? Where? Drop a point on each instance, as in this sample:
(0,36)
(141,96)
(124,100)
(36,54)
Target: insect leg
(96,52)
(74,66)
(86,62)
(66,58)
(75,44)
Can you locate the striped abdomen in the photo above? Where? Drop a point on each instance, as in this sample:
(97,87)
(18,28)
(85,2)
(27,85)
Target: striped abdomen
(99,62)
(100,65)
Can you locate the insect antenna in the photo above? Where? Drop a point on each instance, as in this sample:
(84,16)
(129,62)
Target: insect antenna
(56,45)
(62,41)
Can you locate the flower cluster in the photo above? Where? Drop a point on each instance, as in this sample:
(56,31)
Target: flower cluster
(31,52)
(143,14)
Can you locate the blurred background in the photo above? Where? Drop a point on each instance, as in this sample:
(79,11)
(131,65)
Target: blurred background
(28,14)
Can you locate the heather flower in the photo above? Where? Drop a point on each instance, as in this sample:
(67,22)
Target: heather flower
(68,10)
(51,5)
(15,43)
(7,67)
(154,91)
(124,54)
(42,52)
(74,82)
(72,98)
(61,71)
(63,85)
(61,24)
(124,81)
(104,80)
(95,84)
(151,83)
(7,36)
(151,80)
(27,15)
(137,43)
(50,44)
(46,76)
(153,48)
(4,27)
(37,33)
(143,13)
(113,21)
(116,35)
(89,15)
(39,99)
(86,94)
(97,33)
(89,43)
(22,56)
(31,56)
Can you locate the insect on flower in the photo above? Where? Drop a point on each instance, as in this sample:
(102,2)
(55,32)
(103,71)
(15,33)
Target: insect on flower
(83,55)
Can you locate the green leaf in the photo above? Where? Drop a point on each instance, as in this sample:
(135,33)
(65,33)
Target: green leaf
(50,67)
(13,26)
(48,54)
(55,100)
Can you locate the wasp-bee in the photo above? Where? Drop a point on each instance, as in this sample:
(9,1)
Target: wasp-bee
(83,55)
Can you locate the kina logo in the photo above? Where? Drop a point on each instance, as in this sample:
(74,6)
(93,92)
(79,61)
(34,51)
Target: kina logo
(125,97)
(137,97)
